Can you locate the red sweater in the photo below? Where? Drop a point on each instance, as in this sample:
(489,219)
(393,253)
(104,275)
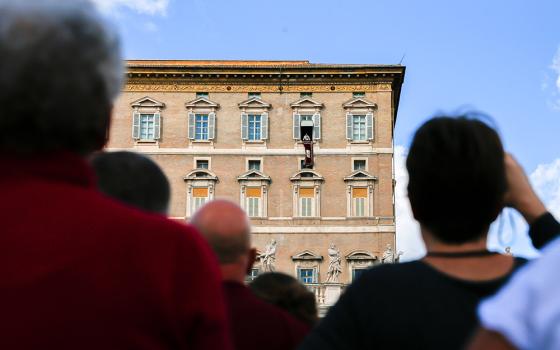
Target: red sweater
(80,271)
(258,325)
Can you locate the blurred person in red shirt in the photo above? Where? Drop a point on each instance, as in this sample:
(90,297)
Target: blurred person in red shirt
(77,269)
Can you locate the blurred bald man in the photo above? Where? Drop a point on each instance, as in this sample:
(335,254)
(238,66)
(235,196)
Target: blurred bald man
(255,324)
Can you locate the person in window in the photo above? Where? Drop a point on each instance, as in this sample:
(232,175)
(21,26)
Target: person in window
(459,181)
(287,293)
(133,179)
(255,323)
(79,270)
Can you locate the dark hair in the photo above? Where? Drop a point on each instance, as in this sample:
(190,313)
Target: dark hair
(457,177)
(60,71)
(132,179)
(287,293)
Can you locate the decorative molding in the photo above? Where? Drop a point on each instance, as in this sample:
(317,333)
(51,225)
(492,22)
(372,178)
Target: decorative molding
(359,102)
(202,102)
(307,255)
(324,229)
(147,102)
(361,255)
(307,102)
(362,151)
(360,175)
(253,175)
(254,102)
(153,85)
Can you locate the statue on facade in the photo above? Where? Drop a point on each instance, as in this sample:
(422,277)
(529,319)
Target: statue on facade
(269,257)
(389,256)
(335,267)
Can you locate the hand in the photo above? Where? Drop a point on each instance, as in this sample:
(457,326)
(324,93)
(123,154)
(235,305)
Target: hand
(520,195)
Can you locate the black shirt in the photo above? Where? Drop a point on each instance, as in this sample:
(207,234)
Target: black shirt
(411,306)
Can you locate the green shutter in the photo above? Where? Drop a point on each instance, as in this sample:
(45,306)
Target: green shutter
(369,126)
(191,126)
(211,125)
(244,126)
(297,129)
(264,126)
(316,126)
(348,126)
(136,125)
(157,126)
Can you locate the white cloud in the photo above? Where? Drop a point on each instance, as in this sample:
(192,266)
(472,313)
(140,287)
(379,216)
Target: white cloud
(409,240)
(509,230)
(149,7)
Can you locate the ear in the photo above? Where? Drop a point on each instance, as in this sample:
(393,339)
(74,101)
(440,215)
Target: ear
(252,257)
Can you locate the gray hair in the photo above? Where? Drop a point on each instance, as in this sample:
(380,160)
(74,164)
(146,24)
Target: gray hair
(60,71)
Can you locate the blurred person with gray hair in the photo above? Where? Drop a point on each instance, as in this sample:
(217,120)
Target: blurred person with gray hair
(77,269)
(253,322)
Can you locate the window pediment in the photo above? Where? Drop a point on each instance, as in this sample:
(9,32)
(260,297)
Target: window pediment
(147,102)
(253,175)
(202,102)
(201,174)
(307,255)
(359,102)
(306,102)
(360,255)
(360,175)
(307,175)
(254,102)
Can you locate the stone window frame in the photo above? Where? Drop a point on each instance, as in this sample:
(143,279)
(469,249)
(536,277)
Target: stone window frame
(208,180)
(359,259)
(315,182)
(360,179)
(196,159)
(202,105)
(254,106)
(147,105)
(359,158)
(360,106)
(248,159)
(306,106)
(251,179)
(308,260)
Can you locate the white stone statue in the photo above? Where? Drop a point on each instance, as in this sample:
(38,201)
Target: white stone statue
(335,267)
(389,256)
(269,257)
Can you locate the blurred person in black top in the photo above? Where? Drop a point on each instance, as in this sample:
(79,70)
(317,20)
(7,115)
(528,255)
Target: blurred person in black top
(287,293)
(459,181)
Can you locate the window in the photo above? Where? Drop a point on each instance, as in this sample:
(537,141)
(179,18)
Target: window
(254,94)
(359,198)
(147,126)
(254,127)
(202,164)
(306,94)
(252,275)
(200,197)
(298,121)
(254,164)
(253,195)
(307,276)
(357,94)
(359,164)
(201,127)
(202,94)
(356,273)
(359,127)
(306,200)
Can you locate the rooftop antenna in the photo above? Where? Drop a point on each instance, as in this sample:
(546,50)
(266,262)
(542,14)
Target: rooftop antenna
(402,58)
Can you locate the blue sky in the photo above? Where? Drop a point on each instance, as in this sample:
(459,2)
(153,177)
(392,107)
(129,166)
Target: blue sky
(492,56)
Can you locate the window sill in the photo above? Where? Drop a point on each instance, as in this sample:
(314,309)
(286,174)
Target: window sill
(254,141)
(146,141)
(201,141)
(360,142)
